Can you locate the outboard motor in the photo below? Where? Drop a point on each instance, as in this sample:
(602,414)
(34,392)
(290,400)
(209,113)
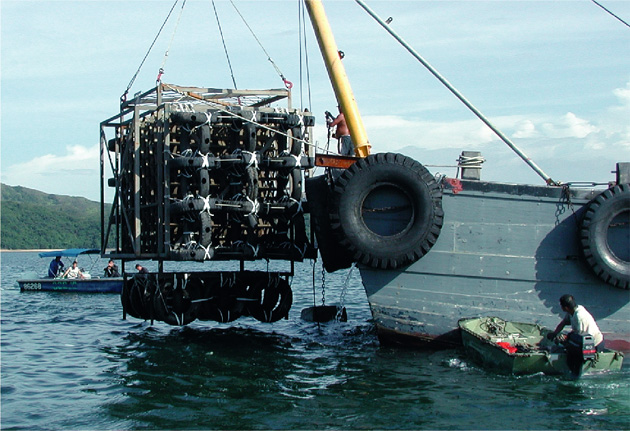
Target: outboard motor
(580,348)
(588,347)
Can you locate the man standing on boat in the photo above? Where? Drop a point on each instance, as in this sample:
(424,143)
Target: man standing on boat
(342,133)
(56,267)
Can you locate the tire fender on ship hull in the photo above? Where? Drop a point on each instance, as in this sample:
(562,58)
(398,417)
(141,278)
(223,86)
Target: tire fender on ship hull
(605,235)
(318,193)
(387,210)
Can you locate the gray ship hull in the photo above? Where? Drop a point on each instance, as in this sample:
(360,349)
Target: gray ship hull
(504,250)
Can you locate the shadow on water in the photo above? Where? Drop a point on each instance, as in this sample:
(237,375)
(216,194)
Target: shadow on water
(189,376)
(236,377)
(244,378)
(334,377)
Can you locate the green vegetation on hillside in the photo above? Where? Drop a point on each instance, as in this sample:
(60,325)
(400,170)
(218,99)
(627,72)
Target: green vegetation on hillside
(32,219)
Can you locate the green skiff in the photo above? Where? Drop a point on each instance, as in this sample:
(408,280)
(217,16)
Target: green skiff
(523,348)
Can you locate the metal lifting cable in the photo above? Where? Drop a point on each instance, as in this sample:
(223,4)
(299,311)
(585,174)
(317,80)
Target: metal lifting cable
(287,83)
(161,71)
(457,94)
(302,37)
(123,98)
(224,45)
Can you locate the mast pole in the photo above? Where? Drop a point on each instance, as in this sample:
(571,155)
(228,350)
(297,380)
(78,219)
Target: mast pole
(338,77)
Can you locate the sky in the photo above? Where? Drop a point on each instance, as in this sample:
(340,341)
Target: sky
(554,76)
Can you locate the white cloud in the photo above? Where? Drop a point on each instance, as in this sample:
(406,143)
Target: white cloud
(569,126)
(525,129)
(623,94)
(77,172)
(618,120)
(578,127)
(388,133)
(569,147)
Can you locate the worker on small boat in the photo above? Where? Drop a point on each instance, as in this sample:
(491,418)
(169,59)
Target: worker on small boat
(73,272)
(56,267)
(111,270)
(582,325)
(581,321)
(342,133)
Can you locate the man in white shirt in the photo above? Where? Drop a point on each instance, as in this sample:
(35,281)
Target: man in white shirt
(582,323)
(73,272)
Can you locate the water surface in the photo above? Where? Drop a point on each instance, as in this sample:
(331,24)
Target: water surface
(70,362)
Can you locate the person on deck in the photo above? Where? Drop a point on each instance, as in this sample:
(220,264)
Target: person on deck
(56,267)
(73,272)
(111,270)
(342,133)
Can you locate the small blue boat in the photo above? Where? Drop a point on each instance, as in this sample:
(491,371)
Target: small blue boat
(87,284)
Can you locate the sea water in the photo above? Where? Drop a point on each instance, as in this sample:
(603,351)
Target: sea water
(69,361)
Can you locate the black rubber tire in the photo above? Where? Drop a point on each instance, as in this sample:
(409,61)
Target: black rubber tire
(318,194)
(221,304)
(402,190)
(275,301)
(170,304)
(600,212)
(135,296)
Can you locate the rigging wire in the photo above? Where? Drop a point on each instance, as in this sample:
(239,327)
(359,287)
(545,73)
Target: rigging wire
(224,45)
(609,12)
(287,83)
(300,51)
(168,48)
(302,37)
(123,98)
(459,95)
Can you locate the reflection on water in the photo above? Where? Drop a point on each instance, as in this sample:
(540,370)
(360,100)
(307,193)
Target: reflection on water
(69,361)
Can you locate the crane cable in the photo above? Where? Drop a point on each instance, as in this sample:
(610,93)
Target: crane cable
(161,71)
(302,37)
(123,98)
(224,45)
(288,84)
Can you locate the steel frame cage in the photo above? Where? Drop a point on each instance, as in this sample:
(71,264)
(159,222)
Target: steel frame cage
(126,126)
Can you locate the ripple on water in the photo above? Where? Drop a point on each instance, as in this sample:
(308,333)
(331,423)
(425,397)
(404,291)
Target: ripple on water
(71,362)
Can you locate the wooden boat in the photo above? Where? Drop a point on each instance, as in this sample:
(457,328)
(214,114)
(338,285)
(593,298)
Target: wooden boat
(88,284)
(523,348)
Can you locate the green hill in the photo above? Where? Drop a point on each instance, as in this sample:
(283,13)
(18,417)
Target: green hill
(32,219)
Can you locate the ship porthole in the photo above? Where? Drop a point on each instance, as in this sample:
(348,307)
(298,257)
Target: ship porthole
(605,235)
(386,210)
